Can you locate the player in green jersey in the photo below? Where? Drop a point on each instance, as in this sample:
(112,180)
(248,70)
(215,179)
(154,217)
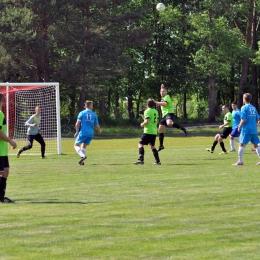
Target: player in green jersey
(4,162)
(167,116)
(227,128)
(150,132)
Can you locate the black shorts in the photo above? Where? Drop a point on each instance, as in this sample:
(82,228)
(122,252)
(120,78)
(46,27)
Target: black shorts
(147,139)
(225,132)
(165,118)
(4,163)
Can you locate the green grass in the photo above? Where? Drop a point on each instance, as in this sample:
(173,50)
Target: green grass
(195,206)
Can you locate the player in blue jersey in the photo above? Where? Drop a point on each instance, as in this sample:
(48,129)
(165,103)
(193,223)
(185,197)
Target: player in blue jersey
(234,135)
(86,122)
(33,133)
(248,128)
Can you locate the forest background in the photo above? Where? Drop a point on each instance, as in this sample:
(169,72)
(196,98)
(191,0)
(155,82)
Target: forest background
(118,53)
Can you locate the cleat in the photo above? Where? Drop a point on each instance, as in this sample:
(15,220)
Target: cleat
(82,160)
(223,153)
(209,150)
(238,164)
(161,147)
(157,163)
(232,150)
(185,131)
(139,162)
(82,164)
(18,154)
(6,200)
(258,163)
(43,157)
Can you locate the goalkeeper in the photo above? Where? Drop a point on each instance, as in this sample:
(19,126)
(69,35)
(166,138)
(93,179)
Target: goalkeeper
(33,133)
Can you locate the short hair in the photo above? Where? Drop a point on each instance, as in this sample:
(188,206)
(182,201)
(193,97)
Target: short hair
(150,103)
(163,87)
(226,106)
(247,97)
(234,103)
(88,103)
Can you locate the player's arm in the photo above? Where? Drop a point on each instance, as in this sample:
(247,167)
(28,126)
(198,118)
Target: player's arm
(227,123)
(242,122)
(77,127)
(98,128)
(161,103)
(7,139)
(146,122)
(30,122)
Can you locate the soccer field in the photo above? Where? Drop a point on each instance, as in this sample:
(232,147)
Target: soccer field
(194,206)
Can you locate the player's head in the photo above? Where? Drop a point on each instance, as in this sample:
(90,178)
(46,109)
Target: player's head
(38,110)
(247,97)
(163,90)
(89,104)
(150,103)
(234,105)
(225,108)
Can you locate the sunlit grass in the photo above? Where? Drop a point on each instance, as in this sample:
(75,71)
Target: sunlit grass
(196,205)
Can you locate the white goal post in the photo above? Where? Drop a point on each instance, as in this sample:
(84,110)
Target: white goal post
(21,100)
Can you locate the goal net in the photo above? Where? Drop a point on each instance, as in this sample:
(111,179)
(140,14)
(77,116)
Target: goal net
(21,100)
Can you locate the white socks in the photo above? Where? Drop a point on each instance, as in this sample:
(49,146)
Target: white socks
(81,151)
(241,153)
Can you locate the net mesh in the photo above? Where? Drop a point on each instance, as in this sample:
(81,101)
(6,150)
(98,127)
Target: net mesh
(22,101)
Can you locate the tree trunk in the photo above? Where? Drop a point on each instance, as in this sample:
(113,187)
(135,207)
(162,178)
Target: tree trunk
(245,63)
(184,105)
(211,86)
(82,95)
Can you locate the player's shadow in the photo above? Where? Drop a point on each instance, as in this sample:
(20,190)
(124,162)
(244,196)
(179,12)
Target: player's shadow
(57,202)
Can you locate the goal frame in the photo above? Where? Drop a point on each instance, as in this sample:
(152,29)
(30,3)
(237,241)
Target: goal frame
(57,97)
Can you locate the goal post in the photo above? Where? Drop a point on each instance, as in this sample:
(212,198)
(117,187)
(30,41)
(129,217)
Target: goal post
(21,100)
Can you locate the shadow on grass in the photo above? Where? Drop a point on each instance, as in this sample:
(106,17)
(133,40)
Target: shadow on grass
(56,202)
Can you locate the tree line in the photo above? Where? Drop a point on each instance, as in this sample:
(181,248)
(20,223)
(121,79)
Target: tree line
(118,52)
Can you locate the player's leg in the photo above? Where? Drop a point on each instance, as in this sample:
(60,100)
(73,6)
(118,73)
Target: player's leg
(171,123)
(30,139)
(224,134)
(243,141)
(211,150)
(4,172)
(155,152)
(231,142)
(144,140)
(161,129)
(40,140)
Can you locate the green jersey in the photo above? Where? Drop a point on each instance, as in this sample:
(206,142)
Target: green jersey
(228,117)
(3,144)
(168,109)
(152,115)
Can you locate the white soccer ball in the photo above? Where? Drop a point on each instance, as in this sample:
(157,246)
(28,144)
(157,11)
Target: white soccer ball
(160,7)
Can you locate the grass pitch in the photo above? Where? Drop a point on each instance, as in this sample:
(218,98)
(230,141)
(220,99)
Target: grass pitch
(196,205)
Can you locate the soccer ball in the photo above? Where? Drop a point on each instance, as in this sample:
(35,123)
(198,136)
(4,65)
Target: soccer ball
(160,7)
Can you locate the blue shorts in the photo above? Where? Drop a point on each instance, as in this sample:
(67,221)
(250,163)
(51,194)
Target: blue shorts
(235,132)
(83,139)
(246,138)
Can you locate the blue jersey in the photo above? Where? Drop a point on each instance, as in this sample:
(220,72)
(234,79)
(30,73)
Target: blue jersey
(250,114)
(236,118)
(88,121)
